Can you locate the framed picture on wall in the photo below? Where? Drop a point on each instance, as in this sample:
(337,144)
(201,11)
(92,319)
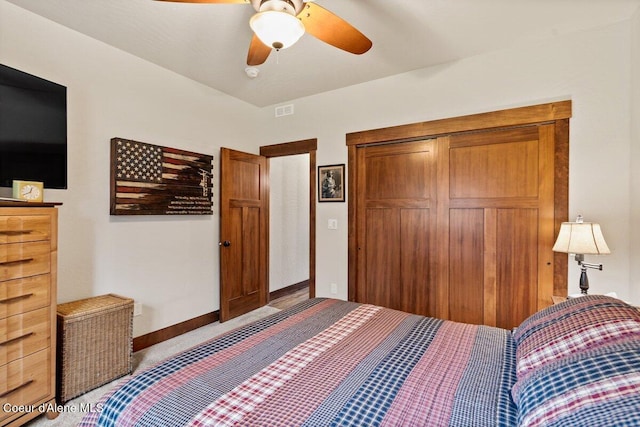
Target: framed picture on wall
(331,183)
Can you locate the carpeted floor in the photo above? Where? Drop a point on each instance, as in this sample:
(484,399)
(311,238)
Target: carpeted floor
(148,357)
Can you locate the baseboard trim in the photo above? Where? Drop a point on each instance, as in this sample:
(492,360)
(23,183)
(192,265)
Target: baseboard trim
(173,331)
(164,334)
(291,289)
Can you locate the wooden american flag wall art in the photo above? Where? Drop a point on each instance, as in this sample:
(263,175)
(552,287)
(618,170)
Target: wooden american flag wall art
(149,179)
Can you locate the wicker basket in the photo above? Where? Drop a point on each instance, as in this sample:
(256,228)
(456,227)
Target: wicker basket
(94,344)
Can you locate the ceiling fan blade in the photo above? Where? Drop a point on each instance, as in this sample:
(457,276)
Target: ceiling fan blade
(208,1)
(331,29)
(258,52)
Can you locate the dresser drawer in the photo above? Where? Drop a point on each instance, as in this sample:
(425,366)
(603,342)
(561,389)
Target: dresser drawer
(25,381)
(24,259)
(27,228)
(23,334)
(22,295)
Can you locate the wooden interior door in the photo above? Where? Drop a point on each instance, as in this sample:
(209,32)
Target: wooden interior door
(496,215)
(396,224)
(244,213)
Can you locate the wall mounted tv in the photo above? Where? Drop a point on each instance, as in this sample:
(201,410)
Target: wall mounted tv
(33,129)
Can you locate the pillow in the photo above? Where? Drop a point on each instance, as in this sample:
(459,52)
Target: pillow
(599,387)
(573,326)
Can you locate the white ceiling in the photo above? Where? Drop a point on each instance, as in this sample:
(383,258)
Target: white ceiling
(208,42)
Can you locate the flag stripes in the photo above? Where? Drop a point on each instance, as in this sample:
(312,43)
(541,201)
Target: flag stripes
(149,179)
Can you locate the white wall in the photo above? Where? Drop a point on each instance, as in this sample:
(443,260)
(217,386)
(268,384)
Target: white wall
(591,68)
(634,222)
(168,264)
(289,221)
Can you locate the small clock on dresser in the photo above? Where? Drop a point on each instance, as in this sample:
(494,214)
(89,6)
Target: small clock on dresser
(31,191)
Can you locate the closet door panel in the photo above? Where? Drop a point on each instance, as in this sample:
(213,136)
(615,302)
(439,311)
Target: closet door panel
(382,258)
(466,265)
(415,261)
(399,175)
(396,222)
(500,164)
(517,265)
(506,176)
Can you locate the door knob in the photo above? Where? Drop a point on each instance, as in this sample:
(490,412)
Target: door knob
(225,243)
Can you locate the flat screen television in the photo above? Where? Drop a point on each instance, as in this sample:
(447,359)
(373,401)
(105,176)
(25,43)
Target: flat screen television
(33,129)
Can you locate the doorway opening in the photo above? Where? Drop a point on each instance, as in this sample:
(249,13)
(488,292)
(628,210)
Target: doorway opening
(292,207)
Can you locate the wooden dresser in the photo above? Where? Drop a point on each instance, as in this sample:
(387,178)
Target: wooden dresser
(28,270)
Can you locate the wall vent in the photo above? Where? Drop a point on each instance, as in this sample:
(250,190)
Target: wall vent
(284,110)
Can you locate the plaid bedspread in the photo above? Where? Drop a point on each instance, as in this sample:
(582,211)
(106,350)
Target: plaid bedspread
(324,363)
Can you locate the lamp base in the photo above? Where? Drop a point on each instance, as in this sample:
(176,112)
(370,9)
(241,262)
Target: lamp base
(584,280)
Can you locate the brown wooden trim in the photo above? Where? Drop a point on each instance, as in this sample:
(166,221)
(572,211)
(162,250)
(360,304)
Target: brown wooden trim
(289,148)
(288,290)
(173,331)
(164,334)
(265,192)
(561,203)
(312,224)
(441,294)
(306,146)
(496,119)
(351,224)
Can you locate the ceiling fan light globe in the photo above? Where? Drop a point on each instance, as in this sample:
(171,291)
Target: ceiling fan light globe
(275,29)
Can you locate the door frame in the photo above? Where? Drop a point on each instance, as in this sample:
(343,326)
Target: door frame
(557,112)
(306,146)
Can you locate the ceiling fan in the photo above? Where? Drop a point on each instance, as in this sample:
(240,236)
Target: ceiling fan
(278,24)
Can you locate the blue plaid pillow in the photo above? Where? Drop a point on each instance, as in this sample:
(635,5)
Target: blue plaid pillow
(600,387)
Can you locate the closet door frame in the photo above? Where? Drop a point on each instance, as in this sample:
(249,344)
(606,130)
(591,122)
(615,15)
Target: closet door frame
(556,113)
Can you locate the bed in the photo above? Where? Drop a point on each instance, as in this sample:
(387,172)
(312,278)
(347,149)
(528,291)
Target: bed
(327,362)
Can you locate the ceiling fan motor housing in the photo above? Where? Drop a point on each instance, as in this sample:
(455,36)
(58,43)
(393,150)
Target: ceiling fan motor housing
(292,7)
(278,24)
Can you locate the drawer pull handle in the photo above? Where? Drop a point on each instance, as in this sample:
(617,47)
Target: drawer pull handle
(21,337)
(16,261)
(8,392)
(15,232)
(11,299)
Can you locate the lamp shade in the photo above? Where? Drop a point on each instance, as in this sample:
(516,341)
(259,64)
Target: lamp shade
(581,238)
(277,29)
